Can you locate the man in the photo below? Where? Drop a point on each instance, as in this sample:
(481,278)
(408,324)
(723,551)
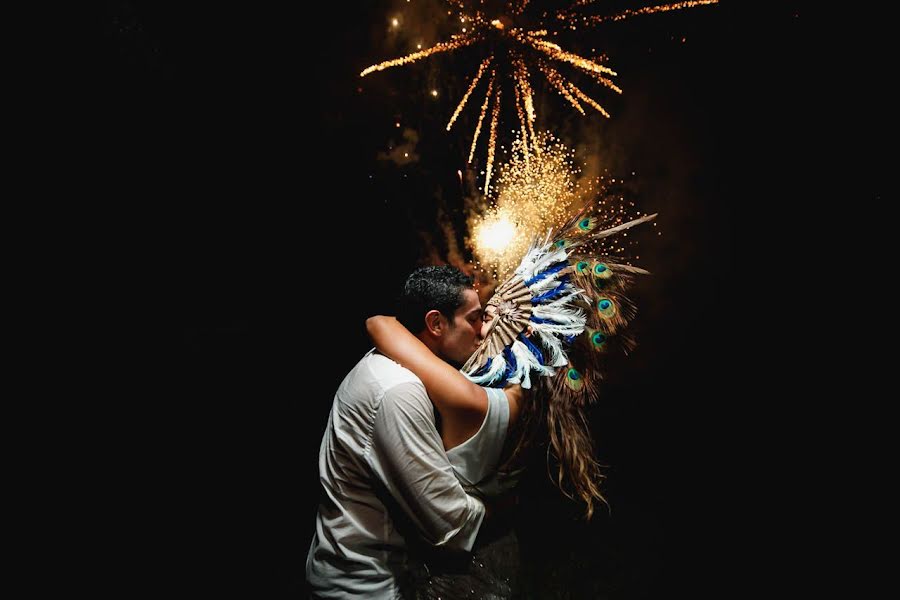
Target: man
(386,480)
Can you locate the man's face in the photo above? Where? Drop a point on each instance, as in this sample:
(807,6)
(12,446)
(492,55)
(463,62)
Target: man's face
(463,335)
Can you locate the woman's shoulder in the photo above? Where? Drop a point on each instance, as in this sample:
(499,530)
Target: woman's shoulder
(478,457)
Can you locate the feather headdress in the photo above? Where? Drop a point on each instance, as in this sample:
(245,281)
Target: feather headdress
(559,312)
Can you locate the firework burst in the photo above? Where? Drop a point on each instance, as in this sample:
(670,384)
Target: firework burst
(513,44)
(537,191)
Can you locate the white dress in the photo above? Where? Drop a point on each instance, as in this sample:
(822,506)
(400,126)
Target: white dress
(475,461)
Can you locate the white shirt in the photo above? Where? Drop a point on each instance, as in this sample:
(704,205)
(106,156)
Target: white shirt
(383,469)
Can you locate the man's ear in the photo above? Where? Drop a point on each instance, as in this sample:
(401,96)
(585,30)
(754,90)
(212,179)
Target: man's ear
(434,322)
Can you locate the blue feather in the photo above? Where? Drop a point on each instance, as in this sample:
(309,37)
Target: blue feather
(484,369)
(541,320)
(544,274)
(534,349)
(510,363)
(555,292)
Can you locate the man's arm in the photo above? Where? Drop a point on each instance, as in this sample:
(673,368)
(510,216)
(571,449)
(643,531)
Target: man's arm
(409,458)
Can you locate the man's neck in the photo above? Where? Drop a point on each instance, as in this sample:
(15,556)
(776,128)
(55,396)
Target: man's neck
(433,345)
(430,342)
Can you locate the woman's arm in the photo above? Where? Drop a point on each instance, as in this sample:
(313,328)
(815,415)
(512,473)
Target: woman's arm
(461,403)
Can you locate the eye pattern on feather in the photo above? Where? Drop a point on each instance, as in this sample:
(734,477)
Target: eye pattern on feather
(605,308)
(598,341)
(587,224)
(602,271)
(582,267)
(574,380)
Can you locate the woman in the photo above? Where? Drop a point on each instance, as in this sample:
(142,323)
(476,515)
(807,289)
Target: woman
(554,318)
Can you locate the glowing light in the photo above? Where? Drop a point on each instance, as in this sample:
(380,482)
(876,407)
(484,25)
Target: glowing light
(496,234)
(434,93)
(536,191)
(395,22)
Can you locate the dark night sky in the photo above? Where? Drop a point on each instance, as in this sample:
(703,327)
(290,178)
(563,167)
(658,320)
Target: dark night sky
(236,133)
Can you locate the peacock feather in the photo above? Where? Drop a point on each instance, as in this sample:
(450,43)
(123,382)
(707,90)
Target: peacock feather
(574,380)
(560,313)
(587,224)
(598,340)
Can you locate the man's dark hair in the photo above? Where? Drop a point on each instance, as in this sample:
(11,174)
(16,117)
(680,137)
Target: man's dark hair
(431,288)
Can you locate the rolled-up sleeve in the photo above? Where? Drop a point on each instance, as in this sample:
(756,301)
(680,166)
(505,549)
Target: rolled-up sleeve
(407,455)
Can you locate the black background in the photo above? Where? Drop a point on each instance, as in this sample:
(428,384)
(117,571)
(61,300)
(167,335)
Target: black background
(235,135)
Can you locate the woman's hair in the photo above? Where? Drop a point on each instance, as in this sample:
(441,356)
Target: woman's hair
(552,417)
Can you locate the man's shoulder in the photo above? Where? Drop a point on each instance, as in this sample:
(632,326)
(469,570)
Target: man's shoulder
(390,384)
(387,373)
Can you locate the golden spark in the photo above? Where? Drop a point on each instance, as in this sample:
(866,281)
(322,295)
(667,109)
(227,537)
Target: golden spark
(514,45)
(571,18)
(537,191)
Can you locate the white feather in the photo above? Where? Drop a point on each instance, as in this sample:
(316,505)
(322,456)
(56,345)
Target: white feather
(525,270)
(564,316)
(525,357)
(571,318)
(560,303)
(551,258)
(563,330)
(543,285)
(548,283)
(554,345)
(498,366)
(538,259)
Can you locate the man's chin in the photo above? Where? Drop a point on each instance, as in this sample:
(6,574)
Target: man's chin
(459,364)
